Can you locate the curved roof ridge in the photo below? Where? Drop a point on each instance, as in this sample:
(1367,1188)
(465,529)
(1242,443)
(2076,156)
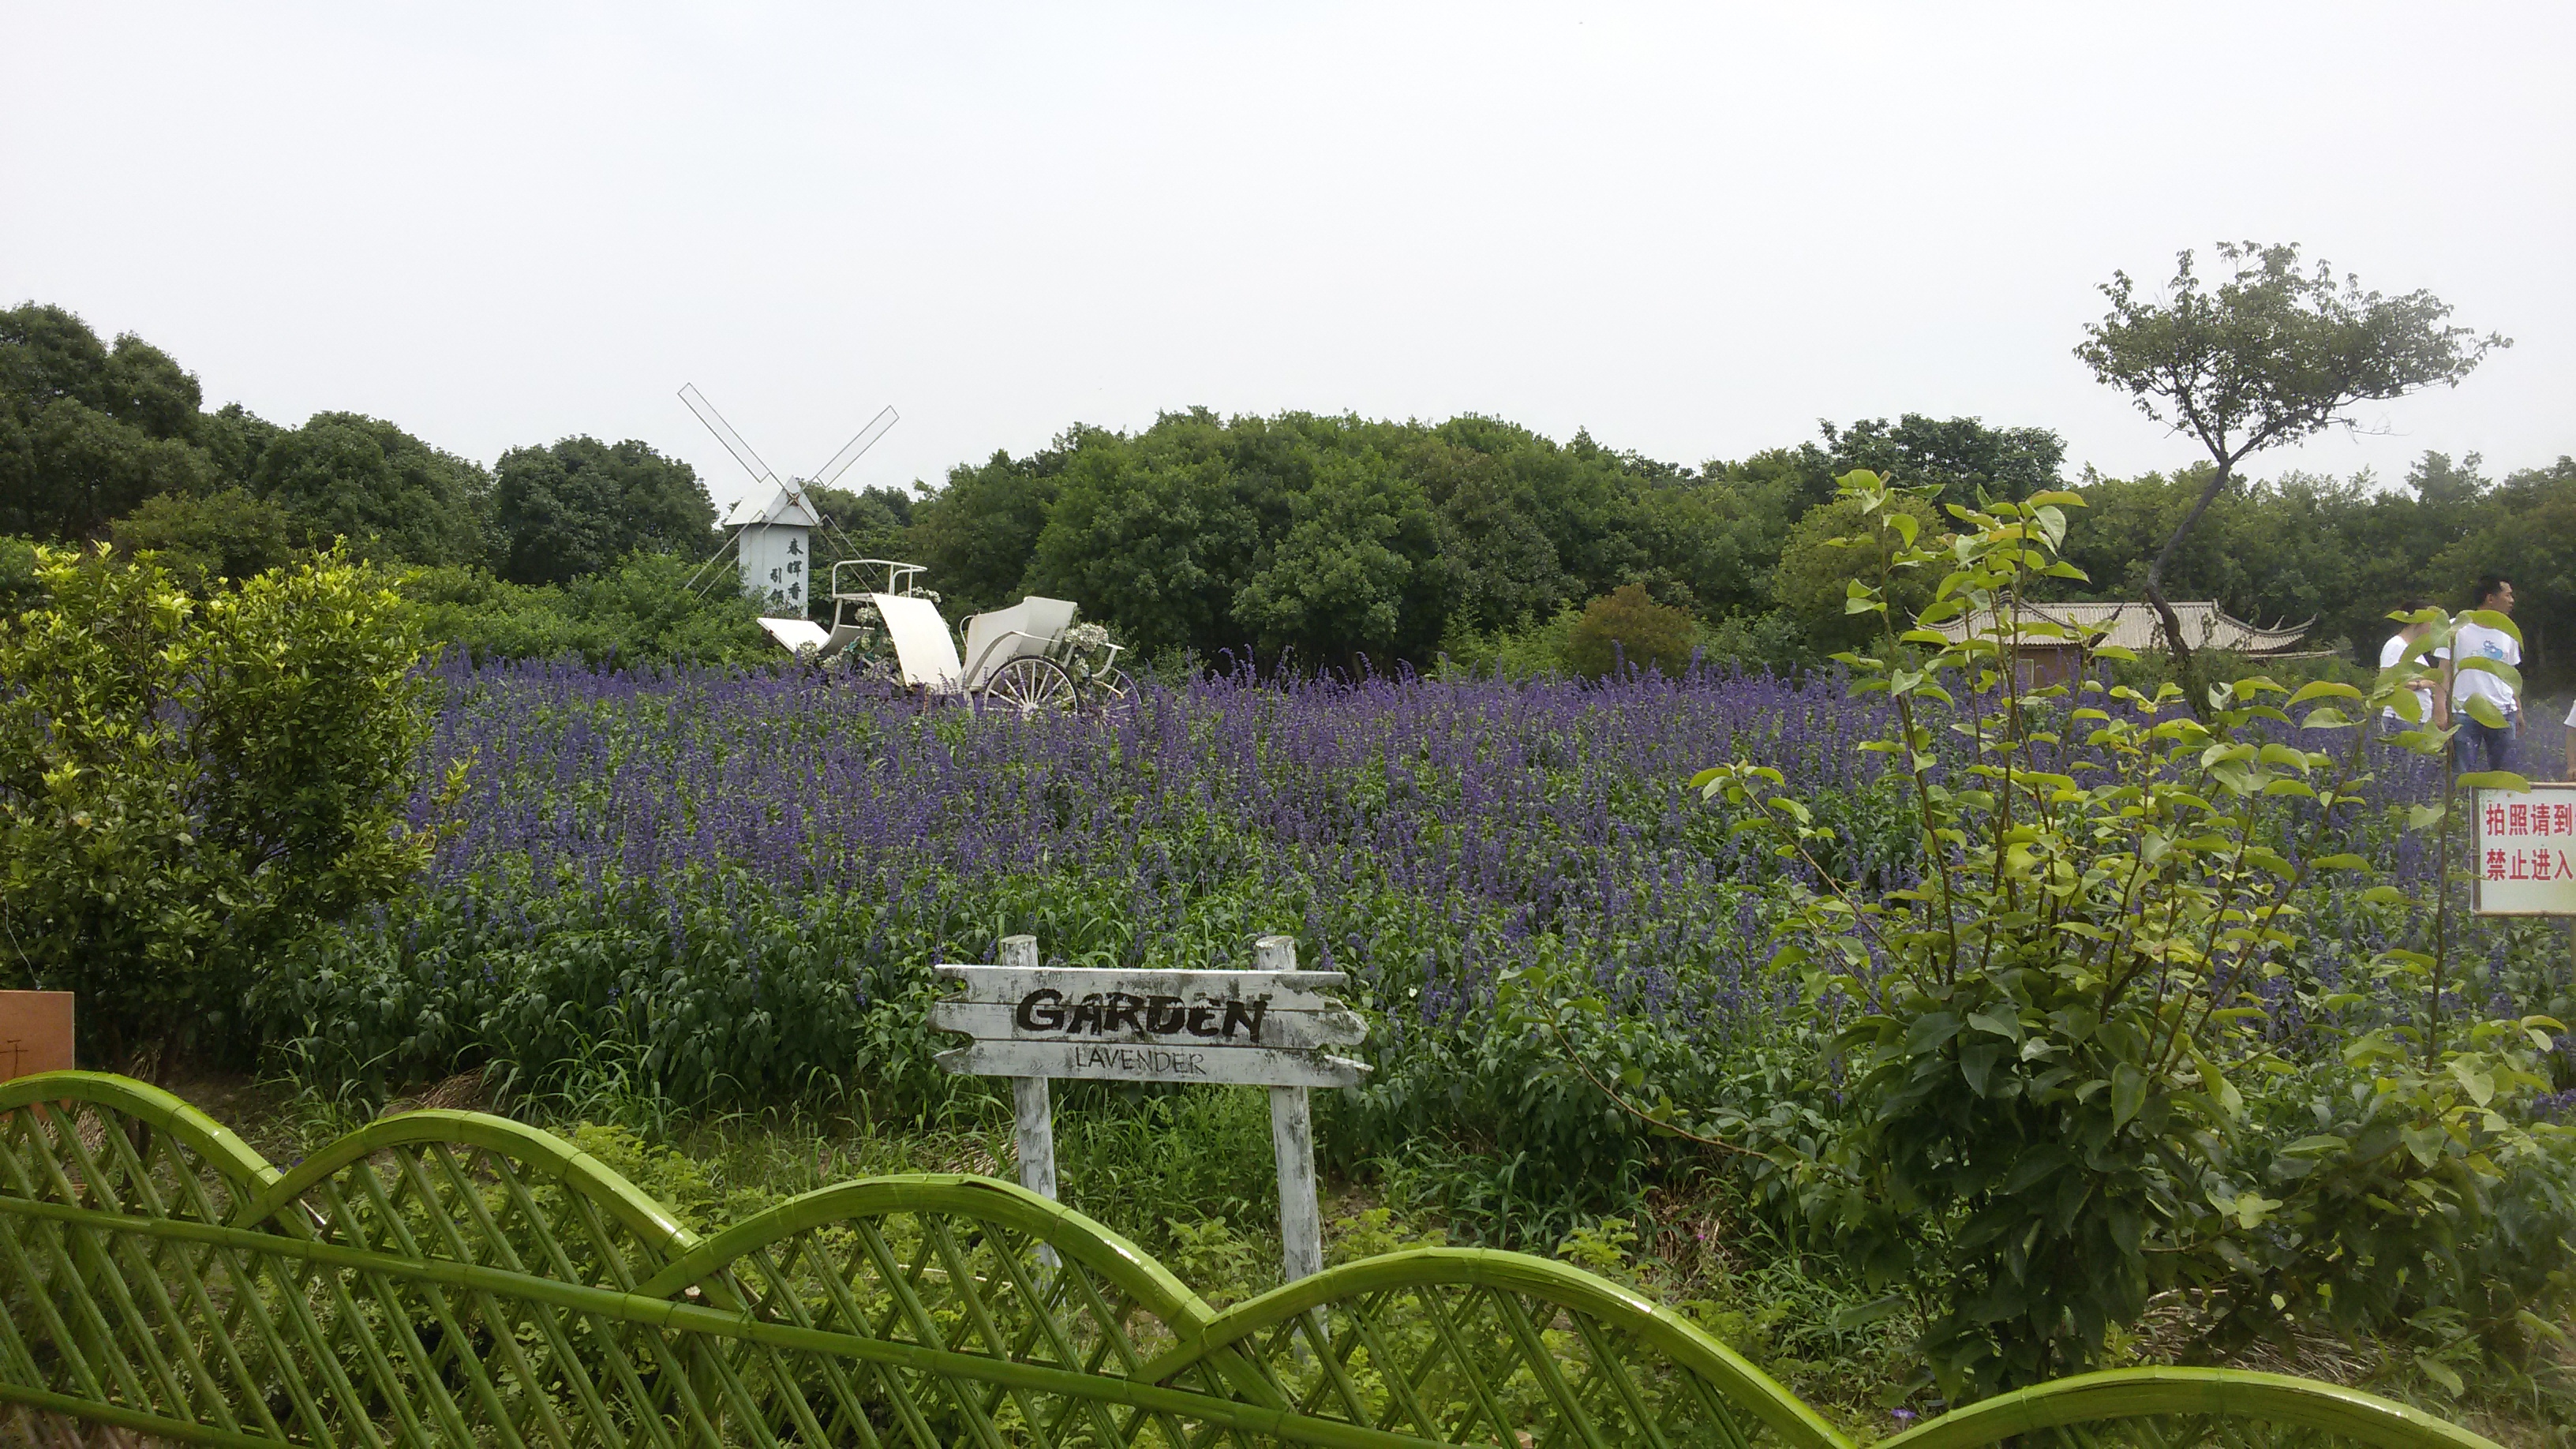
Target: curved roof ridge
(2133,624)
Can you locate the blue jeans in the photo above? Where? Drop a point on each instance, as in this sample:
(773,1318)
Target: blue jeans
(2476,741)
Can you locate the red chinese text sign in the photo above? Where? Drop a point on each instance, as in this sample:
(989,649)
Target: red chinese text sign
(2526,861)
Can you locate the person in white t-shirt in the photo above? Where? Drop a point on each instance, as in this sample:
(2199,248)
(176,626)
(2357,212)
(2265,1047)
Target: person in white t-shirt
(2477,641)
(2436,703)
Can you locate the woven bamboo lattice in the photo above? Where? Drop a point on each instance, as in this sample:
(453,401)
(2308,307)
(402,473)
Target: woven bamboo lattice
(446,1278)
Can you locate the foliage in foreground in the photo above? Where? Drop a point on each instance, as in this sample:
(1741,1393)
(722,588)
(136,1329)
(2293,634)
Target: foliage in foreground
(189,786)
(2055,1035)
(723,893)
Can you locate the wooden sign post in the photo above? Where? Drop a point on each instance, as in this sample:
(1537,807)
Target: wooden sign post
(1266,1027)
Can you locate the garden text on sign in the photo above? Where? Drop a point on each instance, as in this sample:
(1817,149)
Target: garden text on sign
(2526,860)
(1258,1028)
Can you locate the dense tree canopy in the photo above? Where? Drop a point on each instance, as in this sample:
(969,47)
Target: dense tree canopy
(570,510)
(1962,456)
(88,431)
(389,495)
(1318,541)
(1337,539)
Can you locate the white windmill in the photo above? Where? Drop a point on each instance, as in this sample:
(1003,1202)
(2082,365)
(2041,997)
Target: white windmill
(773,525)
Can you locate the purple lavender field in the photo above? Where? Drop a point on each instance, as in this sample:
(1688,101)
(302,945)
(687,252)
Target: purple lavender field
(728,888)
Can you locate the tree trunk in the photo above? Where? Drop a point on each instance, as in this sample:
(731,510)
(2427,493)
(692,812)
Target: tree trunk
(2185,673)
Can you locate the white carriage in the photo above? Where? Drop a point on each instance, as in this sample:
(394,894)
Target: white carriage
(1029,657)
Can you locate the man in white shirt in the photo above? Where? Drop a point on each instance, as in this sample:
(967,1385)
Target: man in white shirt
(2400,649)
(2477,641)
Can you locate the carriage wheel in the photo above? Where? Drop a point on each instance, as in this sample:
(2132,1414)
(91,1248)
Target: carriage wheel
(1029,684)
(1113,691)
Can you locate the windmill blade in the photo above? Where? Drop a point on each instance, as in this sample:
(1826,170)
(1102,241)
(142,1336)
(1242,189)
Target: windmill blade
(850,452)
(742,453)
(726,547)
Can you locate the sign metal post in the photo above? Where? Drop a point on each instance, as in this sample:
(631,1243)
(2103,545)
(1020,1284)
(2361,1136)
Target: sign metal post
(1267,1027)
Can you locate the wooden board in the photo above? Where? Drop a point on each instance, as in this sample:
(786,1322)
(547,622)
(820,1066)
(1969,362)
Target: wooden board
(1285,990)
(1122,1062)
(35,1033)
(1191,1022)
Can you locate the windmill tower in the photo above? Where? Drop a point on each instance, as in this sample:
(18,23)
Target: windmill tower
(773,526)
(773,543)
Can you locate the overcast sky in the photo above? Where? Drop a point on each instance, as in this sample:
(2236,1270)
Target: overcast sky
(1693,231)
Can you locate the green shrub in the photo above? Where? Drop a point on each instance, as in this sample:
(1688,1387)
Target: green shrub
(1837,545)
(644,611)
(2051,1043)
(19,586)
(187,785)
(2149,672)
(1626,629)
(1535,649)
(1775,641)
(200,538)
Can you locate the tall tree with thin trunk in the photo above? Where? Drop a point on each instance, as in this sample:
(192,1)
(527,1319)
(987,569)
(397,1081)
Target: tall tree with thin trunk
(2269,356)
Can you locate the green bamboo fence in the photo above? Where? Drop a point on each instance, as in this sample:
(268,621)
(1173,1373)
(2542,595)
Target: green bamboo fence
(448,1278)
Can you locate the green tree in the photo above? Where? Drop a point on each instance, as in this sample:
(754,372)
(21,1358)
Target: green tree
(2269,356)
(1155,539)
(1507,566)
(2338,552)
(2527,533)
(641,612)
(1836,546)
(189,785)
(1357,574)
(87,431)
(979,535)
(1519,526)
(21,586)
(574,508)
(384,492)
(226,534)
(1627,629)
(233,438)
(69,469)
(644,611)
(1961,457)
(1529,525)
(48,354)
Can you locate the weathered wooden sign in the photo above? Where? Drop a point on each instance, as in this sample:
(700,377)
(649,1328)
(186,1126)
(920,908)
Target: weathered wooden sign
(35,1033)
(1258,1028)
(1265,1028)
